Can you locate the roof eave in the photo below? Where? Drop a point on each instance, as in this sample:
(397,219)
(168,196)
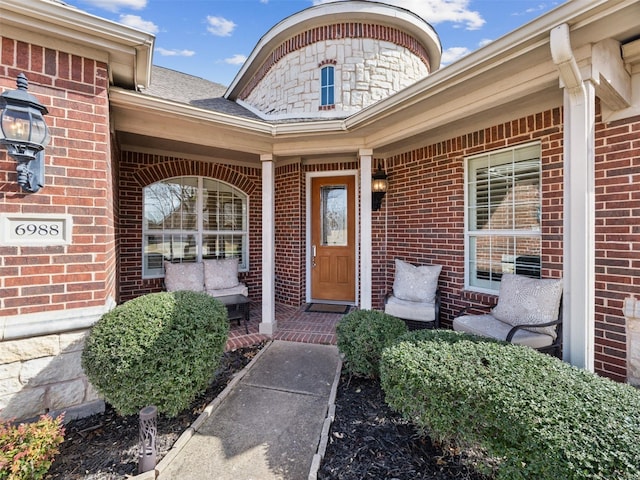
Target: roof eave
(128,51)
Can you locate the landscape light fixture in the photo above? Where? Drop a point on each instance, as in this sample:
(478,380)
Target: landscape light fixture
(25,134)
(379,185)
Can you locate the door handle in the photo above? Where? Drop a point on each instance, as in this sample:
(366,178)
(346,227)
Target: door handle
(313,256)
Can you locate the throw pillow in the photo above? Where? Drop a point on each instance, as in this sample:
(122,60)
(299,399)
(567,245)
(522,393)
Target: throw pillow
(524,300)
(220,274)
(416,283)
(183,276)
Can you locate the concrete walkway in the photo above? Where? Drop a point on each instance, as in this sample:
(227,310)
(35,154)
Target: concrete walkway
(270,423)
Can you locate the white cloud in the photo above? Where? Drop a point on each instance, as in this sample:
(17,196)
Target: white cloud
(452,54)
(175,53)
(220,26)
(438,11)
(484,42)
(237,59)
(117,5)
(538,8)
(136,21)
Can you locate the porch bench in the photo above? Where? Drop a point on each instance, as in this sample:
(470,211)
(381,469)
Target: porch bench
(528,312)
(218,278)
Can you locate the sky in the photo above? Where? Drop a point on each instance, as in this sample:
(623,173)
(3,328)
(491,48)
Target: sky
(212,38)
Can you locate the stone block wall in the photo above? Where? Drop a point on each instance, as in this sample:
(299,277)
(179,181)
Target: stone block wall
(44,375)
(631,311)
(369,64)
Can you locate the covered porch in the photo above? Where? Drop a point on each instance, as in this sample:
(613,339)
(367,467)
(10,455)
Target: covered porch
(294,324)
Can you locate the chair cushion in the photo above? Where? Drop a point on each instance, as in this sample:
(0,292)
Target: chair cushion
(489,326)
(183,276)
(524,300)
(220,274)
(239,289)
(409,310)
(416,283)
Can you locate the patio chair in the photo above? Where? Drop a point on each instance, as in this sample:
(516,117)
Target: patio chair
(528,312)
(415,297)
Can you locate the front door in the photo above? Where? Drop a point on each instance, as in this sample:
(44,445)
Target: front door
(333,239)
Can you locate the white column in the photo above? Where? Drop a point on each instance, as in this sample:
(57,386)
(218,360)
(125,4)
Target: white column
(366,160)
(268,324)
(579,205)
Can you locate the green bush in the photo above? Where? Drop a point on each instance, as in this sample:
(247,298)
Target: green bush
(160,349)
(27,450)
(362,335)
(539,417)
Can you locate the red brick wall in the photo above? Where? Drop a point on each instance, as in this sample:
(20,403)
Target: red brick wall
(422,215)
(617,238)
(422,218)
(291,227)
(138,170)
(78,182)
(290,235)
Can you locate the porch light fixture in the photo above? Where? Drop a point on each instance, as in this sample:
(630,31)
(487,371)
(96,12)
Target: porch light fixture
(25,134)
(379,185)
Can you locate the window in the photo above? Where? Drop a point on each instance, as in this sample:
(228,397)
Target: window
(188,219)
(327,85)
(502,216)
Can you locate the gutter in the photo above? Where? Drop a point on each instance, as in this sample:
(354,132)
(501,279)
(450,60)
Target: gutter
(500,51)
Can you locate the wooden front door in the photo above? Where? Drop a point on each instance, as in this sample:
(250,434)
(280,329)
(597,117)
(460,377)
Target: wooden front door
(333,239)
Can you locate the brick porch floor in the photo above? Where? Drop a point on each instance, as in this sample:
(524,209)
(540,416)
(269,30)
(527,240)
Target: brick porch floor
(293,324)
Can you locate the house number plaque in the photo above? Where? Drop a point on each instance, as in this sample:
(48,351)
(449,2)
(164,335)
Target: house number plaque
(35,230)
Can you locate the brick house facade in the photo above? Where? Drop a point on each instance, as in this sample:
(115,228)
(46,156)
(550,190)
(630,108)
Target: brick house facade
(110,139)
(42,284)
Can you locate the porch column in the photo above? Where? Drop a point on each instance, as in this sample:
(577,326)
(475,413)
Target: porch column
(268,323)
(366,160)
(579,204)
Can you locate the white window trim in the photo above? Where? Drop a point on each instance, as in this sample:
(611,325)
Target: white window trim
(329,87)
(200,231)
(468,234)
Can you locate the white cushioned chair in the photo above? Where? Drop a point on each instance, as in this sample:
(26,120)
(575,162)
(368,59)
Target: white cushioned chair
(415,297)
(528,312)
(218,278)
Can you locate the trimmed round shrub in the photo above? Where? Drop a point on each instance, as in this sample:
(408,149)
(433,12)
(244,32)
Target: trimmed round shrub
(534,416)
(159,349)
(362,335)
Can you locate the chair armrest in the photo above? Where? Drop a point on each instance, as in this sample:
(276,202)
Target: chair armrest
(386,297)
(437,309)
(464,310)
(515,329)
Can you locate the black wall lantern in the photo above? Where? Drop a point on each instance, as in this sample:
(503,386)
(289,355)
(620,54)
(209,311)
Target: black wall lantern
(379,185)
(25,134)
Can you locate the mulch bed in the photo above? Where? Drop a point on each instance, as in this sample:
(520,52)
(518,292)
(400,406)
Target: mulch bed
(367,439)
(105,446)
(370,441)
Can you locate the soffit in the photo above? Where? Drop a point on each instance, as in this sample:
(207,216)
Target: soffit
(55,25)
